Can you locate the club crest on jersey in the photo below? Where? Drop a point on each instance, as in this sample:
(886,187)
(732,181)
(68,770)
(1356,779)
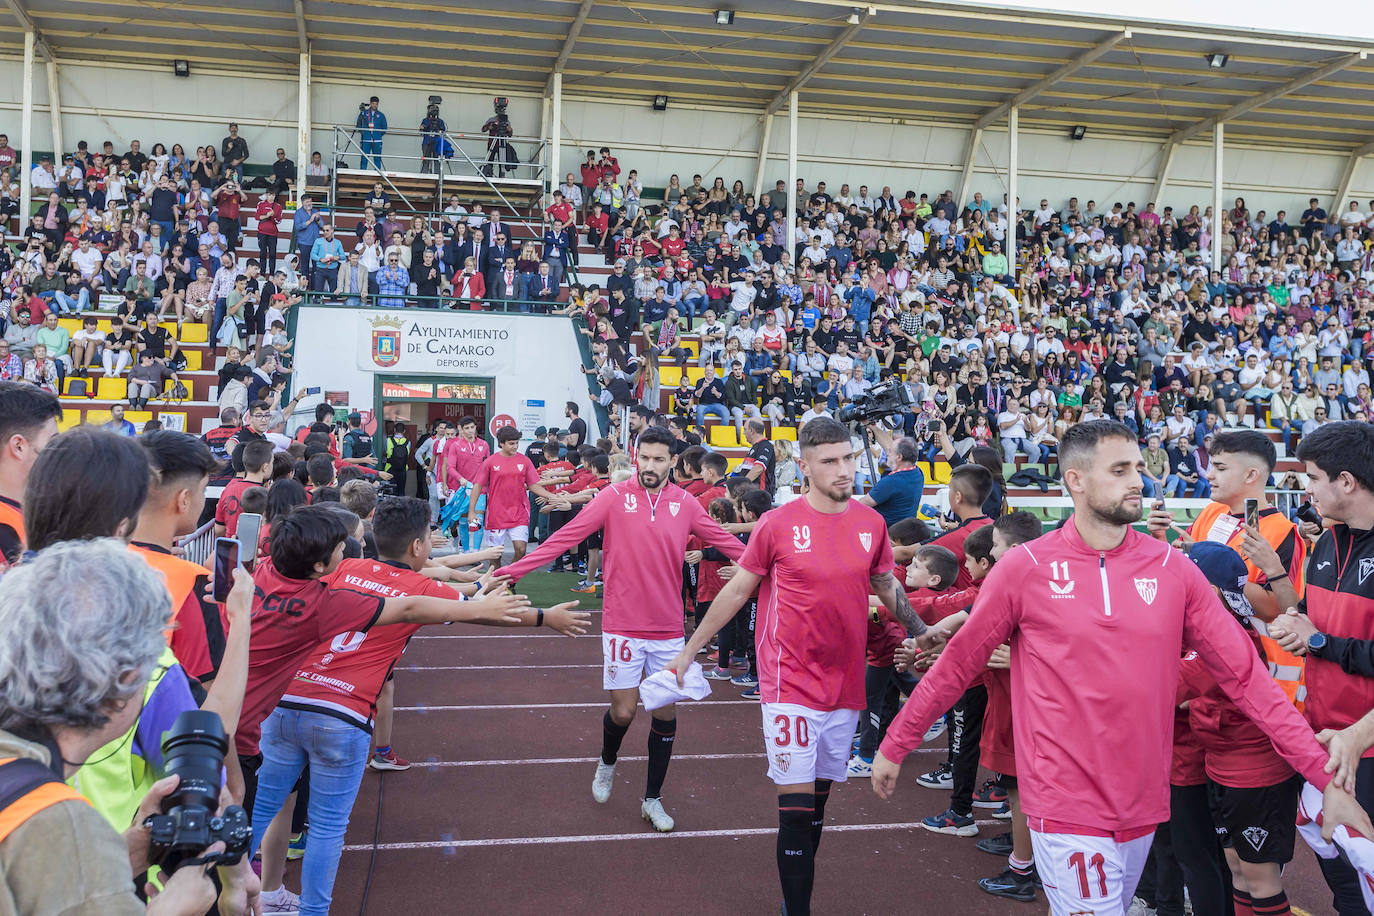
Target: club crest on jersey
(631,504)
(673,508)
(1147,589)
(1366,567)
(783,761)
(801,537)
(610,671)
(1255,836)
(866,539)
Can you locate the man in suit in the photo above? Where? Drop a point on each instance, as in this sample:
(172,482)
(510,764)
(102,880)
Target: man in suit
(476,248)
(543,288)
(505,286)
(496,255)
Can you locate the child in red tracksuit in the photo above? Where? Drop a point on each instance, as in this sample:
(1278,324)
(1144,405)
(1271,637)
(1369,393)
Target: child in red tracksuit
(933,568)
(709,583)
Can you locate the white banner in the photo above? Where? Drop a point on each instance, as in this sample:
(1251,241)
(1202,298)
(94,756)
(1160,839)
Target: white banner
(440,342)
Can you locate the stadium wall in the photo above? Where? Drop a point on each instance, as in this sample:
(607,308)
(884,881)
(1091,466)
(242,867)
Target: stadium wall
(121,102)
(524,356)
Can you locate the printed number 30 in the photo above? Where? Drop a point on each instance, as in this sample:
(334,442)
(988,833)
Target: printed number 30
(790,727)
(623,653)
(1080,862)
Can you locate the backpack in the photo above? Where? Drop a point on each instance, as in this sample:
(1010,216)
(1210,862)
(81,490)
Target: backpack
(1028,478)
(77,387)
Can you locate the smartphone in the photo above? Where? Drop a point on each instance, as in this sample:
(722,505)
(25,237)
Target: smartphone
(250,529)
(226,559)
(309,392)
(1251,513)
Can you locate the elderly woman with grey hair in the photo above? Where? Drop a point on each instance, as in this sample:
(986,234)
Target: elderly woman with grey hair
(84,624)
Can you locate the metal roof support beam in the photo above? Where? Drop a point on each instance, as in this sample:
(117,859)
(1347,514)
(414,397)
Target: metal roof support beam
(1025,95)
(1166,161)
(1348,177)
(574,30)
(26,23)
(55,115)
(26,133)
(792,177)
(302,39)
(302,120)
(1218,154)
(763,157)
(556,137)
(802,78)
(1264,98)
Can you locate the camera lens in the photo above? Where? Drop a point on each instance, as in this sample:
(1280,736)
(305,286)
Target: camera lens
(194,749)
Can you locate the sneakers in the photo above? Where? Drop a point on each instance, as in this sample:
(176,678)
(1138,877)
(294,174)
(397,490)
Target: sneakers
(652,811)
(752,693)
(388,762)
(937,728)
(1003,813)
(1139,907)
(584,589)
(858,766)
(739,661)
(951,823)
(1011,885)
(603,781)
(296,848)
(744,680)
(990,796)
(717,674)
(999,845)
(280,902)
(942,777)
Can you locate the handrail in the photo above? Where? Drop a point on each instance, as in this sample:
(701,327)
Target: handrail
(199,545)
(535,227)
(531,168)
(504,306)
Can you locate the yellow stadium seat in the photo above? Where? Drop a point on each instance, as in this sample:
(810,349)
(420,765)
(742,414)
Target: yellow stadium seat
(669,376)
(97,416)
(937,472)
(193,359)
(733,463)
(71,324)
(695,374)
(111,389)
(196,333)
(724,436)
(785,432)
(138,417)
(71,416)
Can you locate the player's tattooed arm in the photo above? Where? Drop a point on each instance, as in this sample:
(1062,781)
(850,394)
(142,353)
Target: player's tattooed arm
(895,600)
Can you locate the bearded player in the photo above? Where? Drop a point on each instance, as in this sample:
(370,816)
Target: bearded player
(645,523)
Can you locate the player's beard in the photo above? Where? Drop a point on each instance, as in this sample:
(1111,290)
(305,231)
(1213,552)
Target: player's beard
(650,480)
(838,493)
(1118,513)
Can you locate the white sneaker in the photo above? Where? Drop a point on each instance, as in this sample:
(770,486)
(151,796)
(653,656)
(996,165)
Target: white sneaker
(859,766)
(603,781)
(281,903)
(1139,907)
(937,728)
(652,811)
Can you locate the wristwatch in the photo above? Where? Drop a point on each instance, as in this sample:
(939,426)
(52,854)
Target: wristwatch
(1316,644)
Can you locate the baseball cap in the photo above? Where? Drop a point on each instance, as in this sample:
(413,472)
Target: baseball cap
(540,432)
(1225,569)
(355,417)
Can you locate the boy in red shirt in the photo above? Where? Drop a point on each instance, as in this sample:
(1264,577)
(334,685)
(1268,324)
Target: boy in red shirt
(325,715)
(507,478)
(257,464)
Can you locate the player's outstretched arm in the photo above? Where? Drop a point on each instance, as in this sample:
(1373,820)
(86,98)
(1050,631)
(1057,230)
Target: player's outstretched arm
(560,618)
(590,519)
(894,598)
(727,603)
(493,609)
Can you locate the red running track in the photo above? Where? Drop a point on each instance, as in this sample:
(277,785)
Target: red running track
(497,816)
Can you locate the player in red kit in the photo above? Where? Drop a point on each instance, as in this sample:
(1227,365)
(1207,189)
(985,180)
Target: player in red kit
(1097,616)
(814,561)
(507,478)
(458,464)
(646,523)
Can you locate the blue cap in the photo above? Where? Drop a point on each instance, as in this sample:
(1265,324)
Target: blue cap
(1225,569)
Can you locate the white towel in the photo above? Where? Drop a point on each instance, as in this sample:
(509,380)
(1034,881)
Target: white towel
(660,689)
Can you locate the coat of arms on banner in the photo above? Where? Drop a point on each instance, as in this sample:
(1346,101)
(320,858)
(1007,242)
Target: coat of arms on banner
(386,340)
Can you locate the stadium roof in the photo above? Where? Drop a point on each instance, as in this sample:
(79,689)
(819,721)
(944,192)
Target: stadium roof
(946,62)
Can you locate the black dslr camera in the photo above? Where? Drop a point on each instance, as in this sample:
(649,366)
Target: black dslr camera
(194,750)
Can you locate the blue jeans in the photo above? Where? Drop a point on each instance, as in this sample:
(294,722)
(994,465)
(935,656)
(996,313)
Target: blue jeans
(372,150)
(337,754)
(692,306)
(719,411)
(63,304)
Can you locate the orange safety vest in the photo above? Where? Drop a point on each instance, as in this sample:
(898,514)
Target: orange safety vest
(13,516)
(180,575)
(26,788)
(1216,523)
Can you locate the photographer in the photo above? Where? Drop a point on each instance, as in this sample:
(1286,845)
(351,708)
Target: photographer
(898,494)
(85,623)
(432,140)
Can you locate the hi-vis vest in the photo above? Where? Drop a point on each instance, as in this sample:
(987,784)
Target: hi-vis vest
(1217,524)
(13,518)
(26,788)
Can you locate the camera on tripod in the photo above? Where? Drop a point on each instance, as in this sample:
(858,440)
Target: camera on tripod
(194,750)
(881,403)
(432,109)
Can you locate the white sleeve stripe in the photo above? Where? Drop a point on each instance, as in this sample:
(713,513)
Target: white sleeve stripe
(1026,548)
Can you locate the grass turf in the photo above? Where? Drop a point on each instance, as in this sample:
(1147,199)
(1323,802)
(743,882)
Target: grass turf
(547,589)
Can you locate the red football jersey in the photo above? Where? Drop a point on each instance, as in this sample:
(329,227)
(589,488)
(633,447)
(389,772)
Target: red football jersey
(344,676)
(290,617)
(812,626)
(505,479)
(230,507)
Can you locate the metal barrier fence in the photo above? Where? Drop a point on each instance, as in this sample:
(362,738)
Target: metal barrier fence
(199,545)
(403,301)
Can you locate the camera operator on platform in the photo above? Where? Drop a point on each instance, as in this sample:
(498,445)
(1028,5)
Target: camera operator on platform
(433,143)
(85,623)
(501,156)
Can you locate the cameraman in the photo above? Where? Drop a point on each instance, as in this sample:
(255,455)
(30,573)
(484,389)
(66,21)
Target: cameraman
(373,125)
(85,623)
(500,154)
(432,130)
(896,496)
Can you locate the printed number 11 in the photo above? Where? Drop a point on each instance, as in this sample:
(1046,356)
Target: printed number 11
(1080,862)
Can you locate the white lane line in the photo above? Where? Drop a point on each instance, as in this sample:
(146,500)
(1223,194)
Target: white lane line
(533,761)
(600,704)
(530,667)
(615,837)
